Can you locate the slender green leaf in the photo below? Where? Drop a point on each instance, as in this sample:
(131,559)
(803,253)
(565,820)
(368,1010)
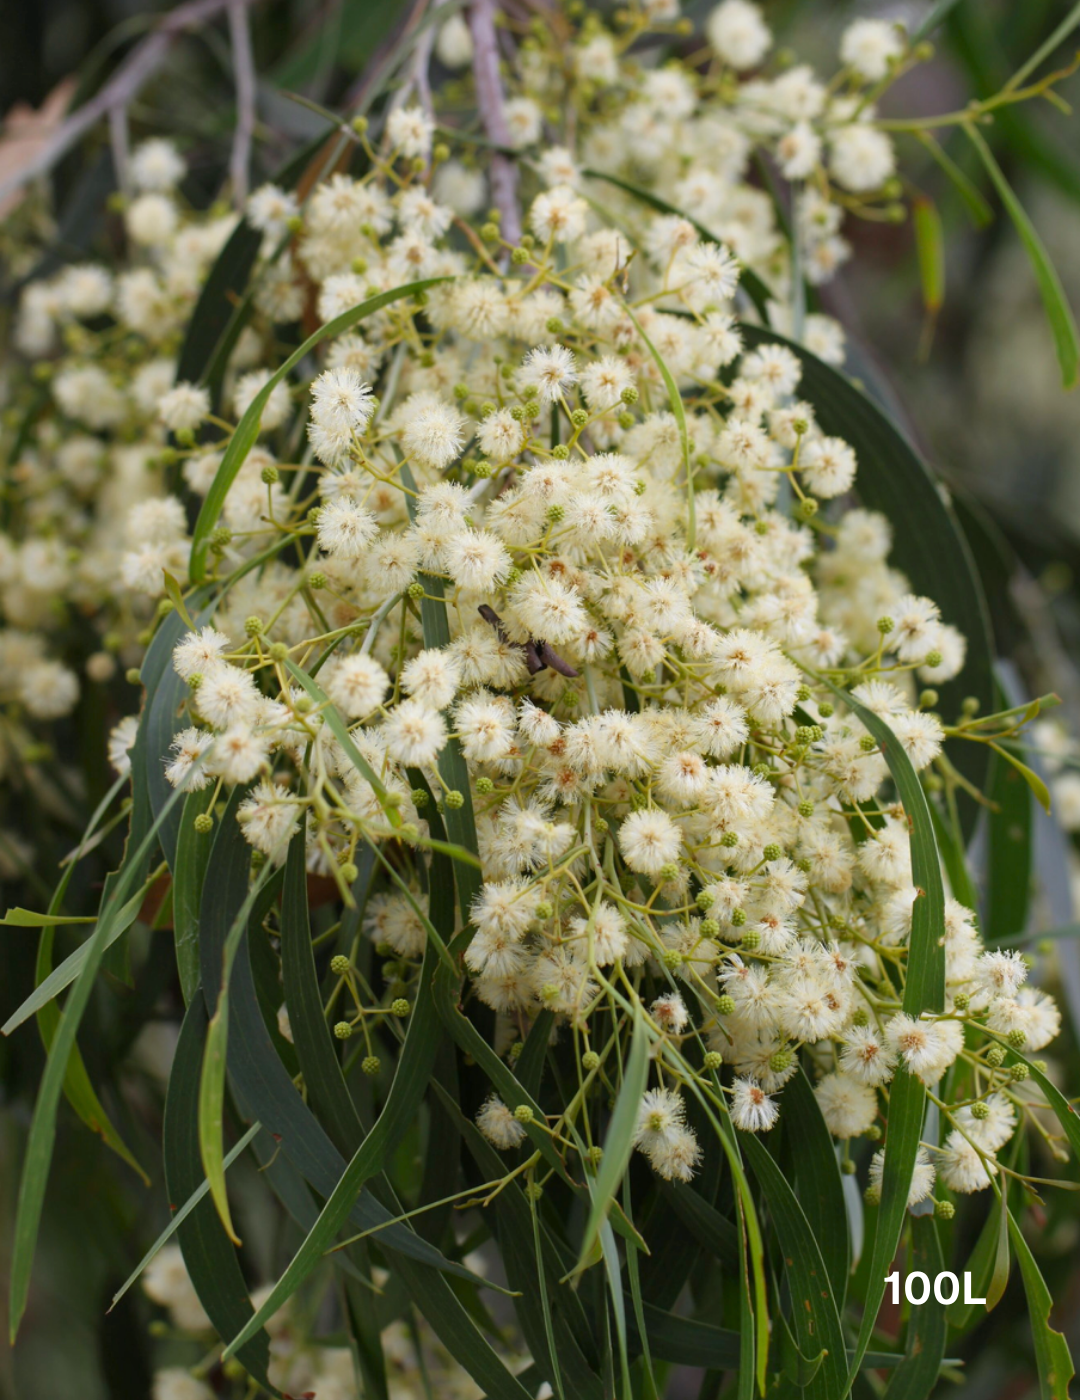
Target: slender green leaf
(1052,1356)
(1058,312)
(952,858)
(42,1136)
(27,918)
(980,212)
(78,1089)
(327,1092)
(247,430)
(213,316)
(813,1297)
(983,1264)
(263,1085)
(819,1185)
(1063,1109)
(718,1234)
(1034,782)
(799,1369)
(937,15)
(192,857)
(211,1261)
(1009,864)
(406,1091)
(119,921)
(340,731)
(212,1079)
(531,1256)
(619,1139)
(692,1343)
(1045,49)
(924,990)
(182,1214)
(917,1374)
(930,247)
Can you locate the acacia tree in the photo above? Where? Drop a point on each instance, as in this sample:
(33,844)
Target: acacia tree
(565,706)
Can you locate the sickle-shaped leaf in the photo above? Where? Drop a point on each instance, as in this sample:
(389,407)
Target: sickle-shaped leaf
(1052,1355)
(619,1141)
(813,1297)
(917,1374)
(924,990)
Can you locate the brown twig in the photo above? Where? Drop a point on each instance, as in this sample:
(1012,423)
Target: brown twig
(244,76)
(124,85)
(489,98)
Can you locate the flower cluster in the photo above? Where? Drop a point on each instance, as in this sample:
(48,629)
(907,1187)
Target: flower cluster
(558,516)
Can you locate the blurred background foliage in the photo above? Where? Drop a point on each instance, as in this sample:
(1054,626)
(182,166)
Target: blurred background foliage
(974,382)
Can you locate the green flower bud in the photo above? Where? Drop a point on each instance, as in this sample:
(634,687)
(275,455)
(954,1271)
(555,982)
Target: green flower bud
(944,1210)
(980,1110)
(343,1030)
(1016,1038)
(349,873)
(713,1060)
(738,917)
(729,839)
(673,959)
(710,928)
(400,1006)
(203,823)
(885,625)
(1019,1073)
(339,964)
(772,851)
(370,1064)
(523,1113)
(848,1167)
(629,395)
(590,1061)
(725,1004)
(805,808)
